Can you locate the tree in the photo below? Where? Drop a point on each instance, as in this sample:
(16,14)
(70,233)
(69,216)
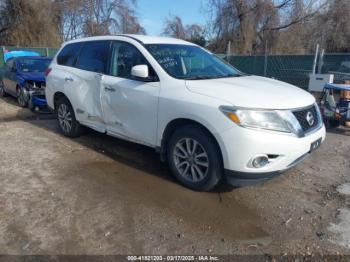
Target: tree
(175,28)
(49,22)
(8,15)
(128,22)
(29,23)
(292,39)
(195,34)
(249,24)
(97,17)
(70,18)
(335,34)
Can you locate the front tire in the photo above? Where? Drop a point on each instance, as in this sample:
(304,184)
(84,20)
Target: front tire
(30,105)
(195,158)
(67,122)
(21,97)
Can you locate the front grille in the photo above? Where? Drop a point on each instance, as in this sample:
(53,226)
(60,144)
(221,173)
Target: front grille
(40,96)
(304,114)
(38,84)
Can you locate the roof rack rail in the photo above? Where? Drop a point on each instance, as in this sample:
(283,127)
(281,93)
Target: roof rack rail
(134,38)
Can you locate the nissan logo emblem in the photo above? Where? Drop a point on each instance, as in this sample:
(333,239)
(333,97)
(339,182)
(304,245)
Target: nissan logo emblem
(310,118)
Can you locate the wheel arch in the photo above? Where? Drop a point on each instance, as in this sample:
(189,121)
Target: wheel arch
(180,122)
(21,83)
(57,96)
(18,86)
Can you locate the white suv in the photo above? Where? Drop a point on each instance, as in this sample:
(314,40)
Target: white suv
(207,119)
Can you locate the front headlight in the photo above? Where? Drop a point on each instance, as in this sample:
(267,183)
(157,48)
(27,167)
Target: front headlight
(262,119)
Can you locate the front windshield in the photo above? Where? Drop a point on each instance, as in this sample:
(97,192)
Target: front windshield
(190,62)
(33,65)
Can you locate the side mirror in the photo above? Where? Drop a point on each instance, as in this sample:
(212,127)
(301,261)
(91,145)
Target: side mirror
(14,69)
(140,71)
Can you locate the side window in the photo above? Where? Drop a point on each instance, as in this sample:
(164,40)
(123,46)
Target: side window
(124,57)
(10,64)
(94,56)
(68,54)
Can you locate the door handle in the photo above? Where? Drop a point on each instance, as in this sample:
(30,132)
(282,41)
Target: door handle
(68,79)
(109,89)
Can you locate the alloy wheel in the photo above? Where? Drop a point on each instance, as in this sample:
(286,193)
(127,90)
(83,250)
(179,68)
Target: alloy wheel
(64,118)
(191,160)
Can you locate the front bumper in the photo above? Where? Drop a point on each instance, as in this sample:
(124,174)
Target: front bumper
(37,96)
(241,179)
(36,100)
(240,145)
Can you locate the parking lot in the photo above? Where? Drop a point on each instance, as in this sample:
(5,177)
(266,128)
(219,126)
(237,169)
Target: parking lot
(101,195)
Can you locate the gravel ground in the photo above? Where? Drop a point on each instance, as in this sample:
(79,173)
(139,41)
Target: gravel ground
(101,195)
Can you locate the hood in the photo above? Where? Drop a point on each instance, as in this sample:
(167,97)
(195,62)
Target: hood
(32,76)
(253,92)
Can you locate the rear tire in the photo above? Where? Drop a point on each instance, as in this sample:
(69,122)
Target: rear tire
(194,158)
(67,122)
(2,89)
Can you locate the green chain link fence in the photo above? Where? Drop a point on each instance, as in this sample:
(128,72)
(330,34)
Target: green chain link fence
(293,69)
(337,64)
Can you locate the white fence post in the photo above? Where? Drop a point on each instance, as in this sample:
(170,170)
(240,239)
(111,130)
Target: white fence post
(320,61)
(315,60)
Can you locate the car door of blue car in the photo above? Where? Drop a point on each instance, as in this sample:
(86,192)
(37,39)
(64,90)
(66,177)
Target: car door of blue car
(9,79)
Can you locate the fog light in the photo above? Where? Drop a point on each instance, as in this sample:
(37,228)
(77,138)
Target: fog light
(260,161)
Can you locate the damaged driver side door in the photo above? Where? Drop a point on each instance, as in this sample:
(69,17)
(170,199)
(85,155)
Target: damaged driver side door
(91,65)
(130,105)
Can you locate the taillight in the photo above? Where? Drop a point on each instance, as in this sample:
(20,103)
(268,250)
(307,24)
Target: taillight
(47,71)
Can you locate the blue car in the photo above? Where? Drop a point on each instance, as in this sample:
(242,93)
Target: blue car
(17,53)
(23,77)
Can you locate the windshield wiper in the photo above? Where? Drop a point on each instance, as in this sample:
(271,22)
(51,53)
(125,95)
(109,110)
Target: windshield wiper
(230,75)
(198,77)
(201,77)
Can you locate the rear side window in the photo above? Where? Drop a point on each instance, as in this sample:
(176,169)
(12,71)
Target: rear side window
(68,54)
(94,56)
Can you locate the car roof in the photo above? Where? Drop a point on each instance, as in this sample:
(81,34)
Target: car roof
(142,39)
(18,53)
(34,57)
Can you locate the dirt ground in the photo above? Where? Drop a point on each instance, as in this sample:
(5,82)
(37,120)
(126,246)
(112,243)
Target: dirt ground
(101,195)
